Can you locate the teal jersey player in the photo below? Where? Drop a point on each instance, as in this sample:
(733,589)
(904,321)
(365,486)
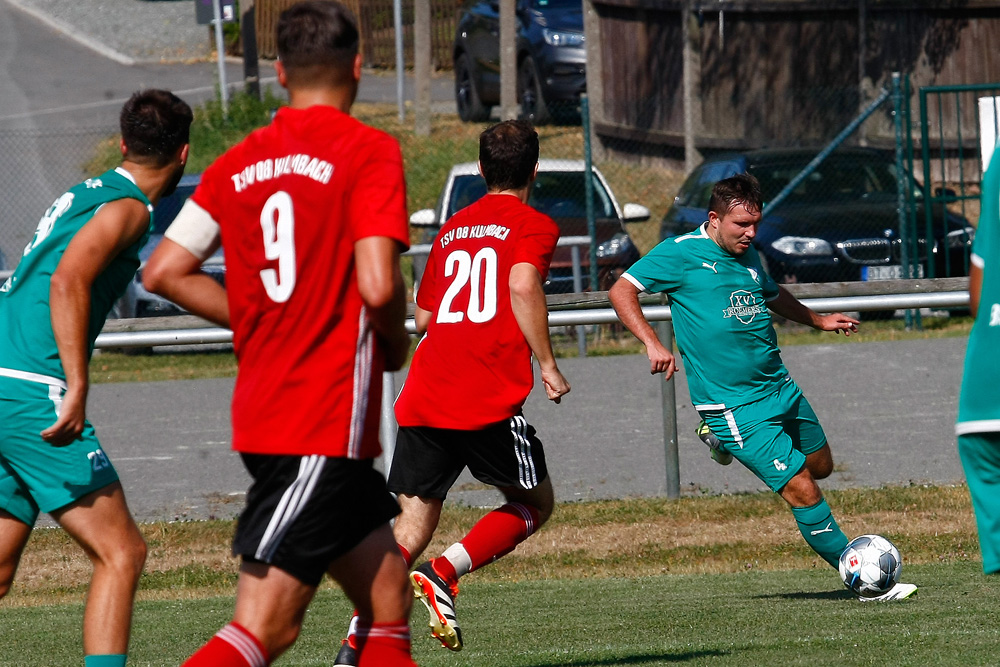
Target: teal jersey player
(80,260)
(978,424)
(751,409)
(718,304)
(27,342)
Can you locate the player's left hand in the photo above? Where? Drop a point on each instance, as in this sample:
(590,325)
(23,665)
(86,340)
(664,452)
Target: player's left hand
(839,323)
(72,418)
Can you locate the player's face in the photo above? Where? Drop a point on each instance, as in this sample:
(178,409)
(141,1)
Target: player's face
(734,231)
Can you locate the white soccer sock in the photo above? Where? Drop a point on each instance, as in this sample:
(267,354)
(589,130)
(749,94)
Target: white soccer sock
(459,558)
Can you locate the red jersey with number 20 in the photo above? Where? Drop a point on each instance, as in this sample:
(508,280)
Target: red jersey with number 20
(291,200)
(473,367)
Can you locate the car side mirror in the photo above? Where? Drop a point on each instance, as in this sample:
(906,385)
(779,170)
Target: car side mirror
(635,212)
(425,217)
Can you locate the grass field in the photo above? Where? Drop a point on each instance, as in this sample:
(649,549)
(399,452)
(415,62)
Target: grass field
(721,580)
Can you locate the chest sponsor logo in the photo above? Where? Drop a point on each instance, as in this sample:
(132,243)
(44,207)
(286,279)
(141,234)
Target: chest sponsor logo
(995,315)
(744,306)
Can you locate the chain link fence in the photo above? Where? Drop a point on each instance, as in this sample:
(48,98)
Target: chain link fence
(38,166)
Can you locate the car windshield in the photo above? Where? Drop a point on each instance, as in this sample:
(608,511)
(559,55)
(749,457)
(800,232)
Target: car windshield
(835,179)
(558,194)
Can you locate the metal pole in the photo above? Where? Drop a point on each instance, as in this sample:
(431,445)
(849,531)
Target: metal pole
(221,50)
(387,428)
(422,67)
(581,331)
(508,59)
(251,63)
(588,190)
(665,330)
(897,118)
(397,17)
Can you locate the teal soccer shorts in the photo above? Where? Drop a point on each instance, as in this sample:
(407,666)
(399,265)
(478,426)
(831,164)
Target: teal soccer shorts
(34,475)
(771,436)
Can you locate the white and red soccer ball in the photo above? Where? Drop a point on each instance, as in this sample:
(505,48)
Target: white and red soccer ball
(870,565)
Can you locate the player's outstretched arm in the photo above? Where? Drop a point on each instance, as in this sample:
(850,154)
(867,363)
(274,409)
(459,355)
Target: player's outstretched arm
(624,298)
(174,269)
(380,282)
(527,301)
(115,227)
(175,273)
(791,308)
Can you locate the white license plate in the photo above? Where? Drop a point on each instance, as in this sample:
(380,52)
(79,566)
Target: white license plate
(894,272)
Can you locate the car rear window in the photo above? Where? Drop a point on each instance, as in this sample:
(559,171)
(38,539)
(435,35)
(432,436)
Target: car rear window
(559,194)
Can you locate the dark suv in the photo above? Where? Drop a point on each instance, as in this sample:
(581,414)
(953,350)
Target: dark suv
(551,58)
(839,224)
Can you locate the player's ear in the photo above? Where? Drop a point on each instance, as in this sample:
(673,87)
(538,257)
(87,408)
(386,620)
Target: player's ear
(479,164)
(357,68)
(279,70)
(122,147)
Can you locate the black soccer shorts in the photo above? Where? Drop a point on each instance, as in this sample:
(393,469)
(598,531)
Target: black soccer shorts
(304,512)
(428,460)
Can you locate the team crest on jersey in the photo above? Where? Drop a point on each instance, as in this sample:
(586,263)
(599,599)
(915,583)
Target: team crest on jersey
(744,306)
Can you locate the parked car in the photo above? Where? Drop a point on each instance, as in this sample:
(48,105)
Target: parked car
(551,58)
(137,301)
(839,224)
(559,193)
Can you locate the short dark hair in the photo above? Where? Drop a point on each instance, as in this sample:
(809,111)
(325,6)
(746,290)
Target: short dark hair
(733,191)
(155,124)
(317,38)
(508,153)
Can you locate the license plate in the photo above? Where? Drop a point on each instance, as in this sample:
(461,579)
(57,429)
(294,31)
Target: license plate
(894,272)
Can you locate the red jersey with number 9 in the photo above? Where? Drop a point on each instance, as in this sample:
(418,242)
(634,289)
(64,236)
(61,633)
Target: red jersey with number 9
(473,367)
(291,200)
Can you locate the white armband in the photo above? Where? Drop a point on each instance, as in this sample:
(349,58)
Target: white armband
(195,230)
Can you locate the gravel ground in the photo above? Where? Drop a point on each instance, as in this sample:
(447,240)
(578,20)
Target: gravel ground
(138,30)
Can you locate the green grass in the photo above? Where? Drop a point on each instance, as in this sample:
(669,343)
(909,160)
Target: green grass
(799,617)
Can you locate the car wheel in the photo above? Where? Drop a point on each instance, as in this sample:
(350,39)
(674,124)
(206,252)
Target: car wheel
(533,107)
(470,108)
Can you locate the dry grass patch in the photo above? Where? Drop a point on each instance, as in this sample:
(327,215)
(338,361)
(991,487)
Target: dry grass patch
(615,538)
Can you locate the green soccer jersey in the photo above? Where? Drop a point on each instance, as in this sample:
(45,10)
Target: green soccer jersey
(978,402)
(27,343)
(719,310)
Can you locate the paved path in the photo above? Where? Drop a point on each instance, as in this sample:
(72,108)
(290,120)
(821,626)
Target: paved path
(888,409)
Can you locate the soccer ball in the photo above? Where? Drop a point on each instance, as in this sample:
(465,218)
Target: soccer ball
(870,565)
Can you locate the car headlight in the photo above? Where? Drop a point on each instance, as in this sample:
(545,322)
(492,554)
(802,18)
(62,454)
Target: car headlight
(561,38)
(616,245)
(961,238)
(802,246)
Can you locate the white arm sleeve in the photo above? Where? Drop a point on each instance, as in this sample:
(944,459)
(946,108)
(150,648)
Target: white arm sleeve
(195,230)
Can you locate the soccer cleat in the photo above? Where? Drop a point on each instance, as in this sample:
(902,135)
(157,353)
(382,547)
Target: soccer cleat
(439,598)
(719,455)
(897,592)
(347,656)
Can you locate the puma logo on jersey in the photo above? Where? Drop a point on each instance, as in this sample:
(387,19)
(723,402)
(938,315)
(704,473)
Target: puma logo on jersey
(828,529)
(753,274)
(93,183)
(778,465)
(995,315)
(710,266)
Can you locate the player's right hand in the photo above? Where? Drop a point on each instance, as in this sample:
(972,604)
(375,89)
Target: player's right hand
(69,425)
(556,386)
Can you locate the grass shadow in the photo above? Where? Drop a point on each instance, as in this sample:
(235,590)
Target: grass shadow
(639,659)
(808,595)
